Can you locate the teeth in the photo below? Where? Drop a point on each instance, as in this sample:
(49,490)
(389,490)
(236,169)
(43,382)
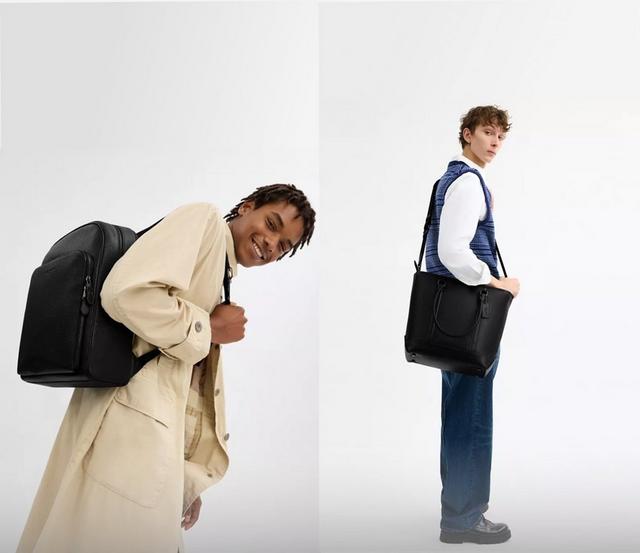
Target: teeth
(257,249)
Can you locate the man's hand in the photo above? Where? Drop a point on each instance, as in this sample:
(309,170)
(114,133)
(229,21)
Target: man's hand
(227,323)
(510,284)
(192,514)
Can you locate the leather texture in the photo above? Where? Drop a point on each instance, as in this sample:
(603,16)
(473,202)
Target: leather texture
(68,339)
(484,531)
(452,326)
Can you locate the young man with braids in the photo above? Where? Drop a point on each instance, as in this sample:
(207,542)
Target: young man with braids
(461,244)
(129,464)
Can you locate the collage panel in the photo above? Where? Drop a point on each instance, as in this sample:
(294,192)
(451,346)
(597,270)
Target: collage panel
(410,455)
(125,114)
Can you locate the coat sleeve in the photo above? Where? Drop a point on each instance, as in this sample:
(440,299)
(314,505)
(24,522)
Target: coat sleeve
(141,289)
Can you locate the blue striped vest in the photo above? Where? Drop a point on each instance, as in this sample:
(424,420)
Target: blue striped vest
(483,243)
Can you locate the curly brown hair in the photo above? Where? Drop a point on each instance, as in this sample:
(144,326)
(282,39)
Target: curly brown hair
(483,115)
(274,193)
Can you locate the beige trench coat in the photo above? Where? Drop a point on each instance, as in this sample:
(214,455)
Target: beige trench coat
(116,479)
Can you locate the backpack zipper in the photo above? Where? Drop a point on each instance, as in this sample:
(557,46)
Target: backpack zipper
(85,302)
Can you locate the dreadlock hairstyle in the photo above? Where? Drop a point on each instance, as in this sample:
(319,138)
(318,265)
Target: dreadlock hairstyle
(273,193)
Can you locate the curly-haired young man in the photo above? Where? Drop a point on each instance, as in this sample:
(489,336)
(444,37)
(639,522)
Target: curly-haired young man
(461,244)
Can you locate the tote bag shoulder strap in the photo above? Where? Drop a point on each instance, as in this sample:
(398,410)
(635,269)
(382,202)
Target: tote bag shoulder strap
(427,224)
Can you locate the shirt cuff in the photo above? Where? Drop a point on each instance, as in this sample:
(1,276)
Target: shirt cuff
(197,344)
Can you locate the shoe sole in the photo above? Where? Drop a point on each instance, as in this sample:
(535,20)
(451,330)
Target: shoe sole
(464,537)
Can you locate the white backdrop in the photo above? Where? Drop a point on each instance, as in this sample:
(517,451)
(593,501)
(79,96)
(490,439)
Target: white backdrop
(121,113)
(394,80)
(164,104)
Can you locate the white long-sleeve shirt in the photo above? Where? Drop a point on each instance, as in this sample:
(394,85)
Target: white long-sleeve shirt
(464,206)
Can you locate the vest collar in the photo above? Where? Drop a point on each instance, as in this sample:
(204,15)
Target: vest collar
(470,163)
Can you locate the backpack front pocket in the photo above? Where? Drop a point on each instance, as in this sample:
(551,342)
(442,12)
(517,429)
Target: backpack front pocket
(60,293)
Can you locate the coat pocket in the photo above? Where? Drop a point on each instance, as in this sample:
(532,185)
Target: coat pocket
(131,452)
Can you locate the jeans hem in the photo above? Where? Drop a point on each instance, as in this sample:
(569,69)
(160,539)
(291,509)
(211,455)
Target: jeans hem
(461,530)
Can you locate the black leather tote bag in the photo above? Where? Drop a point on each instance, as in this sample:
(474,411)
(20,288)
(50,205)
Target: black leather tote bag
(68,339)
(453,326)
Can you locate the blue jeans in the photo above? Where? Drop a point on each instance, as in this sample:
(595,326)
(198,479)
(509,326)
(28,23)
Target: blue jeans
(465,447)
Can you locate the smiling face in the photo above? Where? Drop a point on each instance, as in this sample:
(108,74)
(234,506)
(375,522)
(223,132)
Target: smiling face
(484,143)
(262,235)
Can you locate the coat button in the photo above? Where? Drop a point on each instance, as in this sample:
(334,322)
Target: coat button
(217,392)
(198,326)
(226,437)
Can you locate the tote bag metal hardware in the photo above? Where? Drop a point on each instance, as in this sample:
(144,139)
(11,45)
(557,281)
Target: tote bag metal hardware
(452,326)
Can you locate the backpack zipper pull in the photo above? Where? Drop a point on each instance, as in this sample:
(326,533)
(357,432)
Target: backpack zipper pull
(87,296)
(89,288)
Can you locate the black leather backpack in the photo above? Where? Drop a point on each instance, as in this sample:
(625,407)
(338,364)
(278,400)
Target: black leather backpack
(68,339)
